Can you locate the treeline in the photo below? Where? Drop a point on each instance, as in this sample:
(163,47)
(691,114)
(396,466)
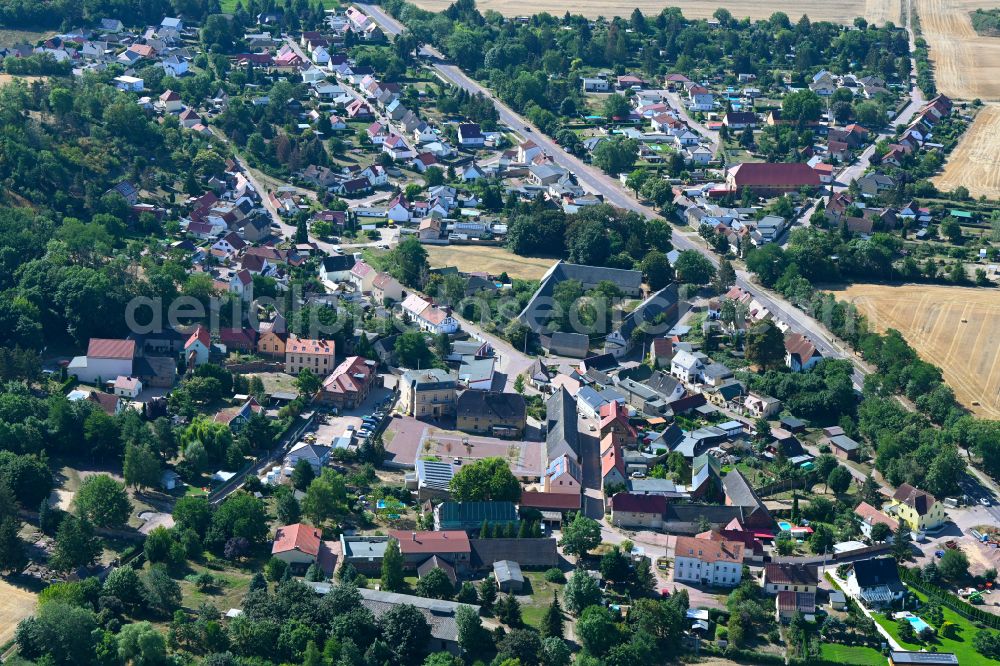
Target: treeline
(535,66)
(986,22)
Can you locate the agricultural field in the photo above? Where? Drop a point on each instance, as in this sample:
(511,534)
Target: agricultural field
(493,260)
(966,64)
(975,161)
(956,328)
(16,603)
(874,10)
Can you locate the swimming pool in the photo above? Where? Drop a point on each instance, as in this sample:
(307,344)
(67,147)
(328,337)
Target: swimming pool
(918,623)
(785,525)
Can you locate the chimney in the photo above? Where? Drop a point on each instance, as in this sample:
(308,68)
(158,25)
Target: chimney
(413,535)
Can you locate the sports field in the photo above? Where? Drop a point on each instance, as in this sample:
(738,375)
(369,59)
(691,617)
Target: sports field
(844,12)
(16,603)
(492,260)
(955,328)
(975,161)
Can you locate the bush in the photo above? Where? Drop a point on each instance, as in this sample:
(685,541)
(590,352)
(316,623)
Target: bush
(554,575)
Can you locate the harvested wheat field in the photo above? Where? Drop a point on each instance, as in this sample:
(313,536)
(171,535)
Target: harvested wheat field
(975,161)
(492,260)
(16,603)
(876,11)
(956,328)
(966,65)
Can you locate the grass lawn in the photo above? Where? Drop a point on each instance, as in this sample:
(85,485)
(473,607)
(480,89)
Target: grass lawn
(227,593)
(960,645)
(856,655)
(539,597)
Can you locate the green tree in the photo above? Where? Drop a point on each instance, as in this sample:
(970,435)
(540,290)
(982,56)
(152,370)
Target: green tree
(103,501)
(580,592)
(581,535)
(692,267)
(954,565)
(821,540)
(552,621)
(307,382)
(435,585)
(75,544)
(302,474)
(487,593)
(406,631)
(193,513)
(657,270)
(13,557)
(142,467)
(596,630)
(163,594)
(802,107)
(141,644)
(412,351)
(158,544)
(488,479)
(325,496)
(408,262)
(392,567)
(839,480)
(881,533)
(765,346)
(616,155)
(616,106)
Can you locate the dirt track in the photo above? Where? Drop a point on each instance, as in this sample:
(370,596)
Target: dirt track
(956,328)
(975,162)
(16,603)
(877,11)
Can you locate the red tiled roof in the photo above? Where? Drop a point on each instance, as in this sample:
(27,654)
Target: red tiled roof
(301,537)
(765,174)
(110,348)
(708,551)
(797,344)
(200,335)
(446,541)
(297,345)
(871,515)
(350,376)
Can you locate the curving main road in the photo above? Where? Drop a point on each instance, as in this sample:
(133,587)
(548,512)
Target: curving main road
(614,193)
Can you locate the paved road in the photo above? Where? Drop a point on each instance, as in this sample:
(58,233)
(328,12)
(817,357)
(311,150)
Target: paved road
(614,193)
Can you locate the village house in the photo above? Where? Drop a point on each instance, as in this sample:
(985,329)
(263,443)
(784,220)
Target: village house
(638,511)
(917,508)
(869,516)
(349,384)
(198,347)
(491,413)
(428,393)
(875,582)
(563,475)
(301,545)
(800,353)
(427,316)
(127,387)
(470,136)
(386,288)
(304,353)
(714,563)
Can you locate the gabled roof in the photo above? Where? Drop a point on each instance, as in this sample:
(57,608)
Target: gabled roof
(921,501)
(350,376)
(111,348)
(201,335)
(506,407)
(791,574)
(709,551)
(635,503)
(765,174)
(876,571)
(445,541)
(301,537)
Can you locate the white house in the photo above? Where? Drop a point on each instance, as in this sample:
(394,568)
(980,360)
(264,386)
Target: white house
(316,455)
(105,359)
(470,136)
(241,284)
(708,562)
(174,66)
(363,276)
(800,353)
(700,155)
(298,545)
(313,75)
(128,387)
(129,83)
(376,175)
(399,209)
(321,56)
(197,347)
(397,148)
(428,316)
(595,84)
(528,151)
(700,99)
(688,366)
(336,268)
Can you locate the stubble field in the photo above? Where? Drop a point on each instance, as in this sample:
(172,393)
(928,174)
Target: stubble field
(975,161)
(16,603)
(966,65)
(957,329)
(874,10)
(489,259)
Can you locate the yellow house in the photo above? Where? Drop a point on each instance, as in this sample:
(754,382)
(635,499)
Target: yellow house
(271,344)
(917,508)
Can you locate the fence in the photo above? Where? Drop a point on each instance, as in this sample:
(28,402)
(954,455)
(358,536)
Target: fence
(785,484)
(912,578)
(256,366)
